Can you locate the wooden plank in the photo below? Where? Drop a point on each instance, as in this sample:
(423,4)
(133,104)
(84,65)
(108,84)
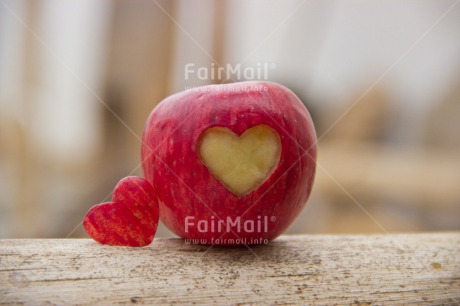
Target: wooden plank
(319,269)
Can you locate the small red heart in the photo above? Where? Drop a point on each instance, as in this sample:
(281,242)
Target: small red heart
(131,219)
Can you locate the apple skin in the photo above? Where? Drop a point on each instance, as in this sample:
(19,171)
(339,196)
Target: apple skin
(186,188)
(131,219)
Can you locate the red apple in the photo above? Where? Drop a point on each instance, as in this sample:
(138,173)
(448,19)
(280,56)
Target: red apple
(131,218)
(230,164)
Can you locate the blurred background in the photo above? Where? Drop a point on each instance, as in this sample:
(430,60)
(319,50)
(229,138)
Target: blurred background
(78,79)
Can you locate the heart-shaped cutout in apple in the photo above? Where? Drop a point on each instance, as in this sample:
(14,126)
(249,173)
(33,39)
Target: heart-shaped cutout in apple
(241,163)
(230,164)
(131,218)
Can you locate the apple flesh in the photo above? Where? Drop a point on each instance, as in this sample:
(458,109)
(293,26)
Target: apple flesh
(240,163)
(230,164)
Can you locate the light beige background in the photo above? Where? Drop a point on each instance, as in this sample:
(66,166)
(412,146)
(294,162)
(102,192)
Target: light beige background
(381,79)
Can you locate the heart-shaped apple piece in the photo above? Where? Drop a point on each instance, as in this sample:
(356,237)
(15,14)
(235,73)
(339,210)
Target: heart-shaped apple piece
(131,219)
(242,163)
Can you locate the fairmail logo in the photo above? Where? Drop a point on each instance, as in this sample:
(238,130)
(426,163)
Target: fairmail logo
(236,225)
(235,72)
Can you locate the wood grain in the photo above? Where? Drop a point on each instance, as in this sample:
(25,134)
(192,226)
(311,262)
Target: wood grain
(311,269)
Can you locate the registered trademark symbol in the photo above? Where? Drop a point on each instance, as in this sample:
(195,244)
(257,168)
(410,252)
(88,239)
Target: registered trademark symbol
(273,218)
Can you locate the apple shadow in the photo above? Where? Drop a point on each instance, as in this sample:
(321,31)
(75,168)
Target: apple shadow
(275,252)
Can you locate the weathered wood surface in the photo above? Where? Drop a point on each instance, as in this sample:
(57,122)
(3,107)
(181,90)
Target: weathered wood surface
(312,269)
